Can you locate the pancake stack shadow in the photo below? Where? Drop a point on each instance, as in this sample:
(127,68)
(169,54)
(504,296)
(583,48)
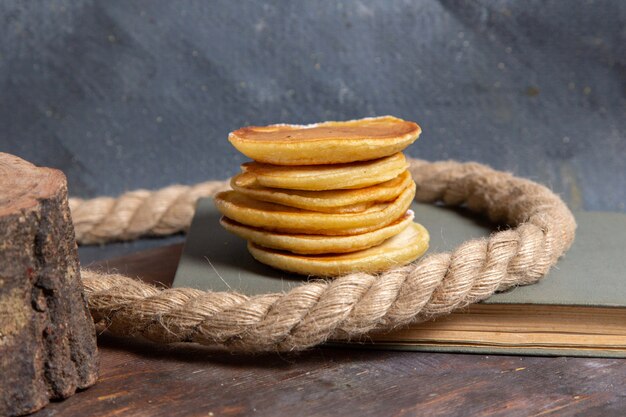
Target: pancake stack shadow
(326,199)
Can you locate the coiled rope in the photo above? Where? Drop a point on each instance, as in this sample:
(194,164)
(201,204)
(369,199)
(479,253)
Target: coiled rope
(541,229)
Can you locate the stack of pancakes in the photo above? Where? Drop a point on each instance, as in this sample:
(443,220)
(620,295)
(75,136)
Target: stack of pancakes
(326,199)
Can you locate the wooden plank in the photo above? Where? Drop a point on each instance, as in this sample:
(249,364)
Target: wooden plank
(156,266)
(139,378)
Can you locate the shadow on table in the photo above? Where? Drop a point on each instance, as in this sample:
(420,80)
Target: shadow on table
(198,354)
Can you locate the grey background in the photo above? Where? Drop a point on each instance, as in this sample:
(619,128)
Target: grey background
(121,95)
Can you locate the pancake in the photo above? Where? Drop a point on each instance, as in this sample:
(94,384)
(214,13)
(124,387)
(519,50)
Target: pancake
(317,244)
(399,250)
(276,217)
(328,177)
(325,143)
(353,208)
(336,201)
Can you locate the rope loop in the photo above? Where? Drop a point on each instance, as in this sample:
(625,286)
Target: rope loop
(541,230)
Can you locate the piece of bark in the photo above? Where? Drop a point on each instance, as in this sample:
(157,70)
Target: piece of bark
(47,337)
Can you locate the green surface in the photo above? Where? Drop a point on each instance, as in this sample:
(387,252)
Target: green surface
(592,272)
(218,260)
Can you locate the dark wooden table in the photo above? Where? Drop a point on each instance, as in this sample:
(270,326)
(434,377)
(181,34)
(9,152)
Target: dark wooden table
(140,378)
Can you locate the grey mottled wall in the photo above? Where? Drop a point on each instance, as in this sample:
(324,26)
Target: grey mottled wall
(124,94)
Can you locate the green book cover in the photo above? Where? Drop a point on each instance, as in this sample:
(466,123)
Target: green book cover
(590,274)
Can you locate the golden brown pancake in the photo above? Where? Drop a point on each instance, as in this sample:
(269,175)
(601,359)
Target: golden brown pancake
(317,244)
(327,177)
(354,208)
(325,143)
(334,201)
(285,219)
(399,250)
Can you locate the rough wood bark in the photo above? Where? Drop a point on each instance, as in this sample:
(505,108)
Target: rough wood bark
(47,338)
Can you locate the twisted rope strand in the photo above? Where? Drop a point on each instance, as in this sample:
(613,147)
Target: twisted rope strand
(139,213)
(344,308)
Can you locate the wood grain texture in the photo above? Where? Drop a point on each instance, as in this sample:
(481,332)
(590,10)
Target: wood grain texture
(139,378)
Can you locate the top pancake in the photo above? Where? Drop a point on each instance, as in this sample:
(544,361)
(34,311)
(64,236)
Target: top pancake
(325,143)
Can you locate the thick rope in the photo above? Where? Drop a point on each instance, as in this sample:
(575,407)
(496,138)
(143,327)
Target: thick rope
(344,308)
(139,213)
